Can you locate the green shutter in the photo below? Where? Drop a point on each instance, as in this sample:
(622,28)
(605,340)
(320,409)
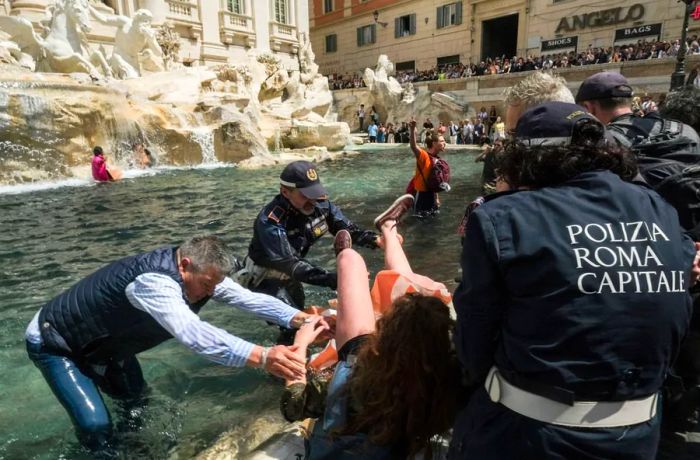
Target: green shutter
(438,15)
(459,13)
(397,27)
(359,36)
(373,34)
(412,28)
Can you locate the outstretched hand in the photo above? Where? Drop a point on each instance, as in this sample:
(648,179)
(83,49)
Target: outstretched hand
(284,362)
(308,332)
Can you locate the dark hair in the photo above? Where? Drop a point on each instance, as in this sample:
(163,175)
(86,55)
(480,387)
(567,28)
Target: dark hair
(97,150)
(146,151)
(614,102)
(548,165)
(431,138)
(682,105)
(406,377)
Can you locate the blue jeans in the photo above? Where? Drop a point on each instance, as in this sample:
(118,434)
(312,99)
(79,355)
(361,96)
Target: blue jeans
(76,388)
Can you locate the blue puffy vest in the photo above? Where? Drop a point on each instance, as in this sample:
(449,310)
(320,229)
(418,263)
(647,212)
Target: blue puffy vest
(94,322)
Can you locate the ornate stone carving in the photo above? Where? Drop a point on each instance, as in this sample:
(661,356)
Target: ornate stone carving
(64,47)
(134,43)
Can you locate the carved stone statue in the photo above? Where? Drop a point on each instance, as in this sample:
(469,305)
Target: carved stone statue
(135,41)
(64,47)
(169,42)
(307,58)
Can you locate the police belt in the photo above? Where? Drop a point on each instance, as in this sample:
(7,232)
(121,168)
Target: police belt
(251,275)
(584,414)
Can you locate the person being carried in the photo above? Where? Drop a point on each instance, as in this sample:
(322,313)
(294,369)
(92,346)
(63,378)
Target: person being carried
(305,397)
(403,356)
(85,340)
(426,203)
(284,231)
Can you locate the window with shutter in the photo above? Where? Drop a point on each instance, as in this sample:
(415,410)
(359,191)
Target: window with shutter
(366,35)
(404,26)
(327,6)
(449,15)
(235,6)
(331,43)
(281,11)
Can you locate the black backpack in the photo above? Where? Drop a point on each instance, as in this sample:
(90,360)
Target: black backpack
(668,156)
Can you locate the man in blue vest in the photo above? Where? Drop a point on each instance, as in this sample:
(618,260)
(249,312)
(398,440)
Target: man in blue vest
(85,340)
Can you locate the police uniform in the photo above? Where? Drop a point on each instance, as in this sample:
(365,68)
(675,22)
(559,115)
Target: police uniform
(282,236)
(570,294)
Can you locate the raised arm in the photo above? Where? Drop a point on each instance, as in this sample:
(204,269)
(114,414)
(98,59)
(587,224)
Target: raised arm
(412,137)
(160,297)
(110,20)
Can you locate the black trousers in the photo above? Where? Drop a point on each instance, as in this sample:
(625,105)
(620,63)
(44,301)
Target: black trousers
(288,291)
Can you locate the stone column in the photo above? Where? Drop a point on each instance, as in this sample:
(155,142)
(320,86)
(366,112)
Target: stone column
(302,18)
(262,14)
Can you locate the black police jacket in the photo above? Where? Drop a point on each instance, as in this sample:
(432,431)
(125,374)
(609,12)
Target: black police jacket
(575,292)
(282,236)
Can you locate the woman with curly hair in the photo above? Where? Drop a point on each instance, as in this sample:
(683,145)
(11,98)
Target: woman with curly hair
(396,383)
(573,300)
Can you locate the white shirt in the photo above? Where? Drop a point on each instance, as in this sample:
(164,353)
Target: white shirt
(161,297)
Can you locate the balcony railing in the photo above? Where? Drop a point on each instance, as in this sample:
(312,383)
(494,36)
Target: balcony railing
(185,13)
(236,29)
(239,22)
(284,31)
(183,9)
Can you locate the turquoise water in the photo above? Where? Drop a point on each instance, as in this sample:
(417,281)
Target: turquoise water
(51,238)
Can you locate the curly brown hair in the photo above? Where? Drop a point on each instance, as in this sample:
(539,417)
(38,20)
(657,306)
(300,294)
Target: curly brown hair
(540,166)
(406,377)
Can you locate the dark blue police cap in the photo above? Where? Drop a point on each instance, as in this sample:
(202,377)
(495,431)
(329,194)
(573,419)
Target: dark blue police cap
(302,176)
(551,123)
(604,85)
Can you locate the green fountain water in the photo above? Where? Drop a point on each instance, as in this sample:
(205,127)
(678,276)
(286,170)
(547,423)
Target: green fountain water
(51,238)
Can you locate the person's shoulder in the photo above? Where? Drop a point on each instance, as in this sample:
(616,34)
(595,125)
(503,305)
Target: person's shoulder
(274,212)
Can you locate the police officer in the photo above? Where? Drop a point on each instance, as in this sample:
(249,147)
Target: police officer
(285,230)
(665,149)
(573,301)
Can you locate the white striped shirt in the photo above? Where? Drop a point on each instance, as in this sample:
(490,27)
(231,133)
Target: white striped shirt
(161,297)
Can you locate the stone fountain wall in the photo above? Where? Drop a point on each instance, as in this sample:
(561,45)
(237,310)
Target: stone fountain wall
(49,121)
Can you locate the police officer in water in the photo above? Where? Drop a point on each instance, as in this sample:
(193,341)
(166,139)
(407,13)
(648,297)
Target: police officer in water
(285,230)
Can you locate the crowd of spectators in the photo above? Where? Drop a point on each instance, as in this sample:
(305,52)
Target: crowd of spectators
(640,50)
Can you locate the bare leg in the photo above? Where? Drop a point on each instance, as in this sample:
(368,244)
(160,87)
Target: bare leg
(355,313)
(394,257)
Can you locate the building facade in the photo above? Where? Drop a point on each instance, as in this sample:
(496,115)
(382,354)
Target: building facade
(348,35)
(211,31)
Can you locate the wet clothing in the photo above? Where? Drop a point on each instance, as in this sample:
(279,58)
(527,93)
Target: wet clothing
(99,169)
(87,337)
(576,292)
(282,236)
(426,200)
